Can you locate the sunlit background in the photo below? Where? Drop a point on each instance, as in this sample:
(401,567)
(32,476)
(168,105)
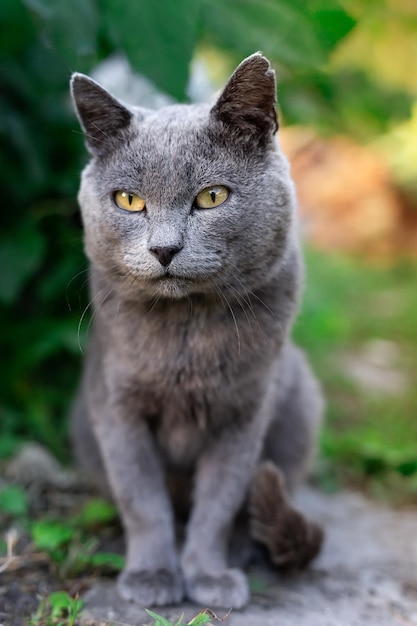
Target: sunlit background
(347,92)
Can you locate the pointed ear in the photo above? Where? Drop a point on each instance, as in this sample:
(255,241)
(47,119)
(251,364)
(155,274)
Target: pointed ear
(247,104)
(101,116)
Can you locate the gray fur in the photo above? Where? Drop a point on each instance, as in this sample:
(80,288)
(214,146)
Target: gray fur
(190,366)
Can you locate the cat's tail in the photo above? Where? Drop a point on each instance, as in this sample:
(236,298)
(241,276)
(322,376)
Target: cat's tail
(292,540)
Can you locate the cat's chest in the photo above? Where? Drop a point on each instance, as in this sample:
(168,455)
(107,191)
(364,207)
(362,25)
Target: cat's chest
(188,373)
(191,351)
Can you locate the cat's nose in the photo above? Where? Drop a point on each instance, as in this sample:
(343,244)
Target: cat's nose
(165,254)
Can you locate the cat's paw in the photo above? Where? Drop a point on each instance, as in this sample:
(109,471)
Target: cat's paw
(226,589)
(151,587)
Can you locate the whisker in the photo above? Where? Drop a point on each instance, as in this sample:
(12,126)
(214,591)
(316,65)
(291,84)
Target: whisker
(249,294)
(113,288)
(266,307)
(241,302)
(86,309)
(154,303)
(226,302)
(71,281)
(190,306)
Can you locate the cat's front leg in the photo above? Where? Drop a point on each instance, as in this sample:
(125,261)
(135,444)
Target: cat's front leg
(152,575)
(223,474)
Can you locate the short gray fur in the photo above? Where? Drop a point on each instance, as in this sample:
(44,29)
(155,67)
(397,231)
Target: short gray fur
(190,369)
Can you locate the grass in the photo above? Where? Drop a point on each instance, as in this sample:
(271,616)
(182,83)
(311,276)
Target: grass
(58,609)
(359,318)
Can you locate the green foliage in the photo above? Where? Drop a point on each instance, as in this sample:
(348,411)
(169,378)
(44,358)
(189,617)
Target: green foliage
(59,608)
(97,512)
(106,561)
(369,435)
(162,44)
(23,236)
(13,501)
(80,557)
(204,617)
(159,620)
(51,535)
(42,267)
(70,544)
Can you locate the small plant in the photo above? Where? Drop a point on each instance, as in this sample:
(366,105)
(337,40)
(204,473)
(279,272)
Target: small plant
(59,609)
(202,618)
(69,543)
(96,512)
(13,501)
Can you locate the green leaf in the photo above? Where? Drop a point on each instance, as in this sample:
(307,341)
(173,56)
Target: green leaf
(70,28)
(243,26)
(49,535)
(159,620)
(60,602)
(107,559)
(14,39)
(281,30)
(158,38)
(96,512)
(330,22)
(13,500)
(201,618)
(21,254)
(76,607)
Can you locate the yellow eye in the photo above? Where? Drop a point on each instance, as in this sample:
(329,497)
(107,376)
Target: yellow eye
(211,197)
(129,201)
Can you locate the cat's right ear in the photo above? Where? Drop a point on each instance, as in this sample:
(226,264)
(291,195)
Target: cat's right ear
(246,107)
(102,117)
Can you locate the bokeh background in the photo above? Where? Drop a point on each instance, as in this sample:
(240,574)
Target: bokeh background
(347,91)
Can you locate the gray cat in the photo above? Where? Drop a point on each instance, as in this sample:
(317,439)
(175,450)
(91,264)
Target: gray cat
(195,395)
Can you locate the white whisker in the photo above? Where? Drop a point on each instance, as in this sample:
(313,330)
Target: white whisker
(84,313)
(226,302)
(70,282)
(241,302)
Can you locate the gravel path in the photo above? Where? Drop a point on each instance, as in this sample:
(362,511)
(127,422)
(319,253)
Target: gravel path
(365,576)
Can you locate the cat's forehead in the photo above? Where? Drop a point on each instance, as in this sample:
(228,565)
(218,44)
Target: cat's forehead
(172,137)
(180,121)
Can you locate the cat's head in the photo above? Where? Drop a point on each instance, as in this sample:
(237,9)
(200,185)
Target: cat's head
(189,198)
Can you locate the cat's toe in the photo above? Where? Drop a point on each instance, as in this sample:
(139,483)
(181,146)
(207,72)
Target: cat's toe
(151,587)
(227,589)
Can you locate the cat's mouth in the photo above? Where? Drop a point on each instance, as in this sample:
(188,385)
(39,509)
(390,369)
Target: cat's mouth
(171,285)
(168,275)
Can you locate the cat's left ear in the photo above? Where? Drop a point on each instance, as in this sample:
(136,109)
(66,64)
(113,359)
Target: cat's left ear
(247,103)
(102,117)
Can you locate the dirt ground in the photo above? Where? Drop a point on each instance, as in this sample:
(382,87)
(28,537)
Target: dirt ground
(366,574)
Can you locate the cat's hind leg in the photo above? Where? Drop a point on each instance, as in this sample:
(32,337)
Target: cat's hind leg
(291,439)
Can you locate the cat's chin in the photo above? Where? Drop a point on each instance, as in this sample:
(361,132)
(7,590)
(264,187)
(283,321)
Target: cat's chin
(170,287)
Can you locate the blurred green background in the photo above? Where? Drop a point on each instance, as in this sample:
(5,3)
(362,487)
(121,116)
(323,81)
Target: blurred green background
(344,68)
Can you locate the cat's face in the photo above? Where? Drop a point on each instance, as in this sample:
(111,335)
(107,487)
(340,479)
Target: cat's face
(187,199)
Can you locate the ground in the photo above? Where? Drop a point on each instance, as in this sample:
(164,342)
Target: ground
(365,576)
